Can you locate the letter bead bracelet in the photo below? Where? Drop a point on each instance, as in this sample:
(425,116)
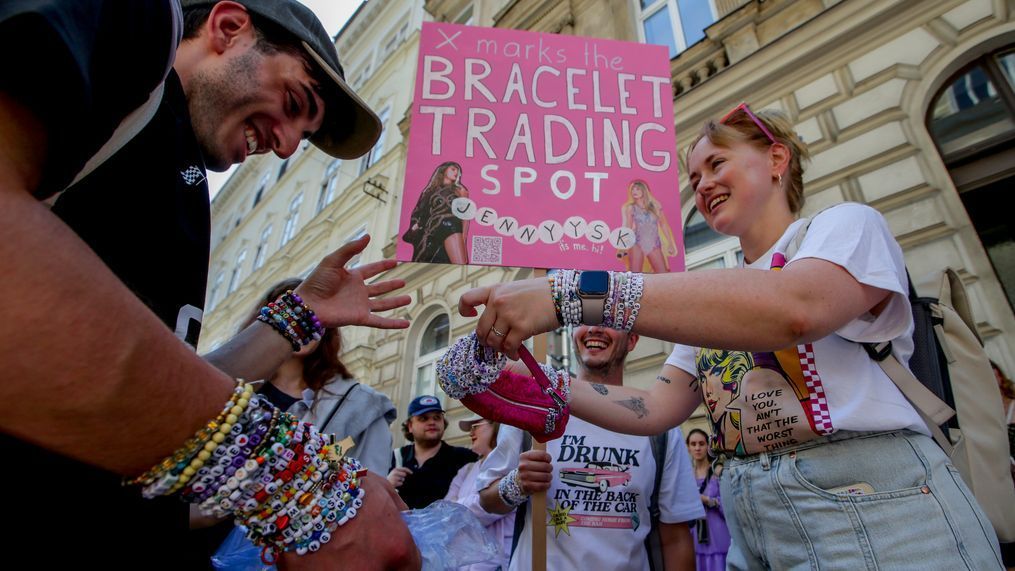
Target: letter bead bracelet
(620,308)
(287,483)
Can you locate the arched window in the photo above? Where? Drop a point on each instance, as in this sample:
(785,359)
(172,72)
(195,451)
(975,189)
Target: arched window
(432,343)
(707,249)
(972,121)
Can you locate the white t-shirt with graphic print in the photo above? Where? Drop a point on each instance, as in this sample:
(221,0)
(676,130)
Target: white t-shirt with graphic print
(766,401)
(597,505)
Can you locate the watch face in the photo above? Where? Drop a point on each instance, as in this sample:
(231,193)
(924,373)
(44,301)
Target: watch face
(594,283)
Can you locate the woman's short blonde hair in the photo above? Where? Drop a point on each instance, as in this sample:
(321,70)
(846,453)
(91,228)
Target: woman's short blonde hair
(741,128)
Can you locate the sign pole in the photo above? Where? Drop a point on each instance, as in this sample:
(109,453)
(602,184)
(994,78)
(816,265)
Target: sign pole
(538,501)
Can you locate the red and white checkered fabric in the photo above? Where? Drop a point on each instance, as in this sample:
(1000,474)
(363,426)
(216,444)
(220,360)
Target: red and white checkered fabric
(818,402)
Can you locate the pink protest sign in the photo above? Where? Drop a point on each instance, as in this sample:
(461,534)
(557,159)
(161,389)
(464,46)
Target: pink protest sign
(541,150)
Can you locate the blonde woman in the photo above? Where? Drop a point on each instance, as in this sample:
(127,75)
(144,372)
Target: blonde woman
(643,214)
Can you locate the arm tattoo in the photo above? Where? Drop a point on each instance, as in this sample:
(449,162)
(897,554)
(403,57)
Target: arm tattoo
(601,389)
(663,379)
(637,404)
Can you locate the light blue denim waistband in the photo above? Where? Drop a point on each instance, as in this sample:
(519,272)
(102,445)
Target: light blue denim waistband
(834,437)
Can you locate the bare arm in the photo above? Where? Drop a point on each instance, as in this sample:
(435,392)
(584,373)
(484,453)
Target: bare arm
(749,309)
(489,500)
(94,359)
(678,547)
(338,296)
(670,401)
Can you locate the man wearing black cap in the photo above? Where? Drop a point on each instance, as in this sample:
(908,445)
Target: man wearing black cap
(422,470)
(97,386)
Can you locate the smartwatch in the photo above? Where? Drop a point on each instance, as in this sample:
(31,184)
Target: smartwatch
(593,285)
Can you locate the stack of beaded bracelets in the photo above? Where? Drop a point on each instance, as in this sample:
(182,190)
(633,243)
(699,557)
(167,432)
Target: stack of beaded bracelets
(469,367)
(510,490)
(620,308)
(293,319)
(566,303)
(278,476)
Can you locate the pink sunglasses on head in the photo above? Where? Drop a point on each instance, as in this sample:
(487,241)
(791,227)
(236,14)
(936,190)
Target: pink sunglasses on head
(743,107)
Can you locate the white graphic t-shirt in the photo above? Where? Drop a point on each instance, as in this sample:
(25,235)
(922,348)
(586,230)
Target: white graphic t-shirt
(597,506)
(763,401)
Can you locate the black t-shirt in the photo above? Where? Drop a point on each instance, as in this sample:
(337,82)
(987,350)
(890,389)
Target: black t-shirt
(430,482)
(275,396)
(145,213)
(82,66)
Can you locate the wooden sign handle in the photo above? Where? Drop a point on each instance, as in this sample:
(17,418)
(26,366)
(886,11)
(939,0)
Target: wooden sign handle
(538,501)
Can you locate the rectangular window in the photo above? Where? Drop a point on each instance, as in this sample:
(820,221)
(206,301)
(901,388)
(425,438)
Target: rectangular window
(676,24)
(377,152)
(292,219)
(262,248)
(234,280)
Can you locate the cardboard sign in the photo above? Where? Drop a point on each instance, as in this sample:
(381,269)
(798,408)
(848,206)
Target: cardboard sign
(541,150)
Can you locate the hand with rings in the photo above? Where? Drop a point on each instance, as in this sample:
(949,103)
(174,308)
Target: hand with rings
(521,308)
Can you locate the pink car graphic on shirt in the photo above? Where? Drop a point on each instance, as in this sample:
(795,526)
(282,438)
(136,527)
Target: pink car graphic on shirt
(600,475)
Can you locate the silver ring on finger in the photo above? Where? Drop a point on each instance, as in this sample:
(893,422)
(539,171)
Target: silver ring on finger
(496,332)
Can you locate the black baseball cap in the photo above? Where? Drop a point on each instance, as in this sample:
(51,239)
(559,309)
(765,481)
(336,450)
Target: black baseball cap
(350,127)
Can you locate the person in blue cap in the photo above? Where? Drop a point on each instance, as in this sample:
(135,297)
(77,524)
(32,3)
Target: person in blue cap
(422,470)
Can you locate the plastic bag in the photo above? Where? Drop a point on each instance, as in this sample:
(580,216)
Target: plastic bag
(237,553)
(449,536)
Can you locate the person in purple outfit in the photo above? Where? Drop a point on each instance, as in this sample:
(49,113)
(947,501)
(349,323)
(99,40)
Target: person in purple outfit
(711,536)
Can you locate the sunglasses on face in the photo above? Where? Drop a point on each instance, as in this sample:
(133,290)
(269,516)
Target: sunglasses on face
(747,110)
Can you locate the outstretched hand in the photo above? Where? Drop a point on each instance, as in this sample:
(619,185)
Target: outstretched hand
(340,296)
(512,313)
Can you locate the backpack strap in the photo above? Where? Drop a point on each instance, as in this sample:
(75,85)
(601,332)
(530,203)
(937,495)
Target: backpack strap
(324,424)
(931,409)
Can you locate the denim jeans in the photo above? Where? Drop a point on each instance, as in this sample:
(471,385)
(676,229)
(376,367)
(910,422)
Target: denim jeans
(888,500)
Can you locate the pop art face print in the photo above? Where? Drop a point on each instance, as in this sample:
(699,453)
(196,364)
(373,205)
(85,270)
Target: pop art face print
(759,402)
(540,150)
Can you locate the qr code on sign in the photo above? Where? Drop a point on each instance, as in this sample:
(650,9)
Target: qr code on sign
(486,250)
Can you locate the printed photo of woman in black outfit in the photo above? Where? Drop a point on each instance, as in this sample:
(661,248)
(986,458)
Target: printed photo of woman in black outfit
(436,234)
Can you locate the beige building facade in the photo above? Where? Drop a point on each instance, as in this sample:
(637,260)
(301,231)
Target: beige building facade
(906,105)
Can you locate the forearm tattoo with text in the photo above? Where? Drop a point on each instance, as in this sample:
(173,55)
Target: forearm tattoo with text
(663,379)
(601,389)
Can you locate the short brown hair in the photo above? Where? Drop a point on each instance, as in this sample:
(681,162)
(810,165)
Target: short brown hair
(740,127)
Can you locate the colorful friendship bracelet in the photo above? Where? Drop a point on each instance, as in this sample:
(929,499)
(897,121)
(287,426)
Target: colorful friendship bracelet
(292,318)
(287,483)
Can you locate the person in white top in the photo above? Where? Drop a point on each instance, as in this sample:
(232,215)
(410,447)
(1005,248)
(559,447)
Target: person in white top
(599,483)
(829,464)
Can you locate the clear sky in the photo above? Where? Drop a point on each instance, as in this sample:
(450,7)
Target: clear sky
(333,14)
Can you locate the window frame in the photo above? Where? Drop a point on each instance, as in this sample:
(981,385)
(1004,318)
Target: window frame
(679,41)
